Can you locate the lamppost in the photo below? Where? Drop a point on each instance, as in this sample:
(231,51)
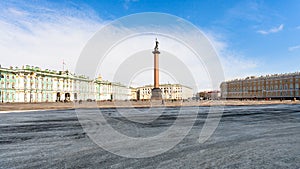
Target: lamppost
(30,93)
(30,89)
(1,94)
(36,88)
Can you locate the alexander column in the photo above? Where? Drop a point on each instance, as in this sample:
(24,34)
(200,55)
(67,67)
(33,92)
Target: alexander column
(156,92)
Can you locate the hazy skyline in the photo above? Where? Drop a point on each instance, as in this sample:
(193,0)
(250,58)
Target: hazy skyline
(251,37)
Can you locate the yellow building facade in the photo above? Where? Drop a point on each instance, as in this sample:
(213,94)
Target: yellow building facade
(277,86)
(168,91)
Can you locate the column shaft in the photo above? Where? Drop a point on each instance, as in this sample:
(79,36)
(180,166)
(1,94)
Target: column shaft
(156,71)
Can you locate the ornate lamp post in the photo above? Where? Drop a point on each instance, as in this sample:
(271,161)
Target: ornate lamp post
(1,94)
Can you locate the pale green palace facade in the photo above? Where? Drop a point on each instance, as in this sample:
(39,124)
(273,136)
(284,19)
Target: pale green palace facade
(106,90)
(31,84)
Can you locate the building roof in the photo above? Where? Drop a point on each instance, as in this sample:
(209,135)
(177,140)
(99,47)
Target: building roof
(46,72)
(166,85)
(282,75)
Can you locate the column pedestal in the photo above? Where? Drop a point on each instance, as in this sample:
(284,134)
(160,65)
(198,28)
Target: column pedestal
(156,94)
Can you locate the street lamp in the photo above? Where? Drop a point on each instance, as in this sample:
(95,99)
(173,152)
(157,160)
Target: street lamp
(1,95)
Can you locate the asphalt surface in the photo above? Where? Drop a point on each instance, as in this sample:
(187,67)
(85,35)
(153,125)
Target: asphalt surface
(246,137)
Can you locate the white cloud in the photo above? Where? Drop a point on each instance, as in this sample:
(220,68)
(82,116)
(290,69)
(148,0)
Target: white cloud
(40,36)
(234,63)
(292,48)
(272,30)
(246,10)
(127,3)
(17,12)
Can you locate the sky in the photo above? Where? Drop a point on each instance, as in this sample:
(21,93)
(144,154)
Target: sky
(251,37)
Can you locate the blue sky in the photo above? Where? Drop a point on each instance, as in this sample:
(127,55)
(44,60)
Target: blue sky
(253,37)
(245,26)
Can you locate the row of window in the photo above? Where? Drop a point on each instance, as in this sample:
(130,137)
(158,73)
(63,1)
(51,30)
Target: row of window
(273,87)
(262,82)
(269,94)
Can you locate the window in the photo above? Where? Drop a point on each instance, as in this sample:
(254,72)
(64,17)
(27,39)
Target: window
(285,86)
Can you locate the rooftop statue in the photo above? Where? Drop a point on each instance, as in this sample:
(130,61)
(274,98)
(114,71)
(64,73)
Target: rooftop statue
(156,44)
